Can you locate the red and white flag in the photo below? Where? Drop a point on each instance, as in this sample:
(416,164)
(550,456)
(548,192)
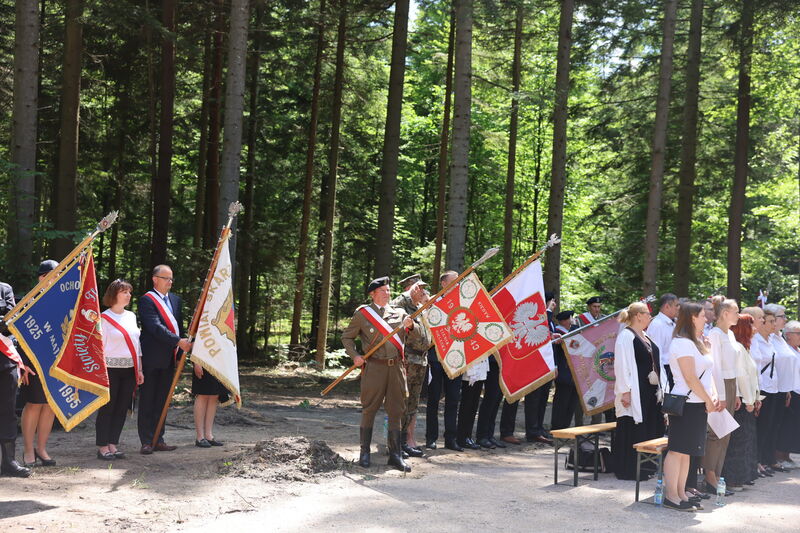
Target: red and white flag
(527,362)
(8,349)
(466,326)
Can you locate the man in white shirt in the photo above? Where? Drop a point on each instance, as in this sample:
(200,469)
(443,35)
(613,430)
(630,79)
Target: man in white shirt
(661,328)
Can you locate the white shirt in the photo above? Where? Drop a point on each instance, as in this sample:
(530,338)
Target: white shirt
(660,331)
(476,372)
(680,348)
(723,353)
(763,354)
(785,362)
(116,350)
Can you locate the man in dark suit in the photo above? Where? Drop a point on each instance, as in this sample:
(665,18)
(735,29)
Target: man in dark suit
(162,340)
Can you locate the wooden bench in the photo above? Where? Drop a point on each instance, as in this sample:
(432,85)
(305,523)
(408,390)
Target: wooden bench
(579,435)
(650,451)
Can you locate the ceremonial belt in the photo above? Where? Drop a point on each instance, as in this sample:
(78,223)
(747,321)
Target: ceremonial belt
(128,341)
(377,320)
(8,349)
(168,318)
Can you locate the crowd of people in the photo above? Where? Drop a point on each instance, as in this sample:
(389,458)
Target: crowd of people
(140,352)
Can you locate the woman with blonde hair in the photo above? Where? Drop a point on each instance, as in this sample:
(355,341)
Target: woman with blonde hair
(723,353)
(691,364)
(638,392)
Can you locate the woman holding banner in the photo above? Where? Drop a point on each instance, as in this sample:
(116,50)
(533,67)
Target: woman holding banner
(208,393)
(691,365)
(124,363)
(637,391)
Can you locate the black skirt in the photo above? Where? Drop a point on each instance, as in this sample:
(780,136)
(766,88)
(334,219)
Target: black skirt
(789,432)
(209,385)
(741,459)
(33,391)
(687,433)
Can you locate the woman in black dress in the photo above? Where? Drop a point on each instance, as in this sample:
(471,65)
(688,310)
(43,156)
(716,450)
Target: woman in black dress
(208,392)
(638,394)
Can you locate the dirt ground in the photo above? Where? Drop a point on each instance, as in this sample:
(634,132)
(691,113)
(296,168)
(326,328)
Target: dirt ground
(287,465)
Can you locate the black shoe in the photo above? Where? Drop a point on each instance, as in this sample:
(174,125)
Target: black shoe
(431,445)
(366,438)
(395,454)
(486,443)
(751,482)
(497,443)
(778,468)
(108,456)
(120,455)
(202,443)
(682,506)
(470,444)
(10,466)
(45,462)
(453,445)
(215,442)
(412,452)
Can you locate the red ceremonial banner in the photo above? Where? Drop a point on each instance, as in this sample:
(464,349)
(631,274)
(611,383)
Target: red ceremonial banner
(81,362)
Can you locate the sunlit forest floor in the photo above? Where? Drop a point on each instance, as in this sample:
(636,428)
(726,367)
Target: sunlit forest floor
(193,489)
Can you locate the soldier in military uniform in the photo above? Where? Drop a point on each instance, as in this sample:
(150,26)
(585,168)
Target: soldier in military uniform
(410,300)
(383,379)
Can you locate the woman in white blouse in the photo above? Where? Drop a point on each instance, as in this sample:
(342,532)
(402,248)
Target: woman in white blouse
(723,353)
(124,362)
(691,364)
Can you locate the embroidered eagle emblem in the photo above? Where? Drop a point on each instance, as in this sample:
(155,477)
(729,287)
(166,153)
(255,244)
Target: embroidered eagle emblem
(529,326)
(225,320)
(461,323)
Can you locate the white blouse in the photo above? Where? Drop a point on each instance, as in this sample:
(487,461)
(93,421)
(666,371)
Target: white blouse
(679,348)
(785,362)
(764,355)
(723,353)
(116,350)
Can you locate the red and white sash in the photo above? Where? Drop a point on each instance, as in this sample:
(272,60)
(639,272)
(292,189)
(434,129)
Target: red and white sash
(376,320)
(128,341)
(561,329)
(166,315)
(586,318)
(8,349)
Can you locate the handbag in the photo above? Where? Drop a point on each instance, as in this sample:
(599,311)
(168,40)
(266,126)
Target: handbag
(674,403)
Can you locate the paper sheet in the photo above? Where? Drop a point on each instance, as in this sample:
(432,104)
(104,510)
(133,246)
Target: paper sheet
(721,423)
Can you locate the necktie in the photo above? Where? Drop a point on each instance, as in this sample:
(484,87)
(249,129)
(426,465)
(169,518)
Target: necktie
(169,306)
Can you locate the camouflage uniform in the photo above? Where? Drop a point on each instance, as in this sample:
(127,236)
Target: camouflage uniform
(416,358)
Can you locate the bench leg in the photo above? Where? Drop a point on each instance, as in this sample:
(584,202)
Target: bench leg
(556,446)
(638,470)
(576,463)
(596,454)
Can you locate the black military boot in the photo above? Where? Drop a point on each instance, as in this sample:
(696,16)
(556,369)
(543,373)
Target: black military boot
(10,466)
(366,440)
(395,454)
(408,451)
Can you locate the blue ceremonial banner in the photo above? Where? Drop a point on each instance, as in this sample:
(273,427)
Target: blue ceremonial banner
(41,329)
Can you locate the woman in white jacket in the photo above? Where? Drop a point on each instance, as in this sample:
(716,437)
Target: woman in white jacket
(638,392)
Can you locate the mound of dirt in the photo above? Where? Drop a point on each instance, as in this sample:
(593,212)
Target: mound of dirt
(285,459)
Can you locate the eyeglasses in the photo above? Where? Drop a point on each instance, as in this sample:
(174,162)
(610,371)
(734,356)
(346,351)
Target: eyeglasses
(780,316)
(165,279)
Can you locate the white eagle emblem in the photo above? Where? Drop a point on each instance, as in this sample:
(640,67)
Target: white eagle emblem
(461,323)
(529,326)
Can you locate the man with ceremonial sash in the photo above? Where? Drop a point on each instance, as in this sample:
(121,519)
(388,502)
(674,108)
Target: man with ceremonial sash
(162,339)
(383,377)
(594,310)
(416,357)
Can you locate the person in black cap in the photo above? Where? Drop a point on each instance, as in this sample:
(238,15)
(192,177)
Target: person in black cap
(383,379)
(37,416)
(594,309)
(565,399)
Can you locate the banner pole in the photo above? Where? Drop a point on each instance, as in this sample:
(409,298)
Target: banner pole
(649,299)
(485,257)
(234,209)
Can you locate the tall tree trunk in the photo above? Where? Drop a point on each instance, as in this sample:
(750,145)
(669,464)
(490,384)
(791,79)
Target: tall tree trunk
(297,310)
(741,155)
(391,142)
(328,202)
(202,153)
(215,104)
(246,249)
(688,172)
(234,111)
(152,129)
(558,179)
(650,271)
(444,141)
(163,179)
(23,139)
(459,166)
(66,193)
(516,68)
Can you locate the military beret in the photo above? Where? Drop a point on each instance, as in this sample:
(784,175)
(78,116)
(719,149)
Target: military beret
(565,315)
(46,266)
(376,283)
(410,280)
(594,300)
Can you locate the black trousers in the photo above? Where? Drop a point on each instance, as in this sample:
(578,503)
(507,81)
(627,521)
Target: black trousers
(439,383)
(152,396)
(768,426)
(535,408)
(468,408)
(487,414)
(8,402)
(111,417)
(566,404)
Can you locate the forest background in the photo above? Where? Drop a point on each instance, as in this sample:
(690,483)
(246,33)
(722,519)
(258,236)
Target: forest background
(660,139)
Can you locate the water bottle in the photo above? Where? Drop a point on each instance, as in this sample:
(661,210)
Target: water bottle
(721,488)
(386,428)
(658,497)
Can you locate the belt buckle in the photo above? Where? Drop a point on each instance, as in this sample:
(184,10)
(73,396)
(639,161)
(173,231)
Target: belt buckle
(390,362)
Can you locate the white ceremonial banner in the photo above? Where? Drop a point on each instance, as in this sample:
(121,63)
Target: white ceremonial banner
(215,343)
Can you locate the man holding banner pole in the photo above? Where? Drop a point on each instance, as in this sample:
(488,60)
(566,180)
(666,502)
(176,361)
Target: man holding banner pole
(162,340)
